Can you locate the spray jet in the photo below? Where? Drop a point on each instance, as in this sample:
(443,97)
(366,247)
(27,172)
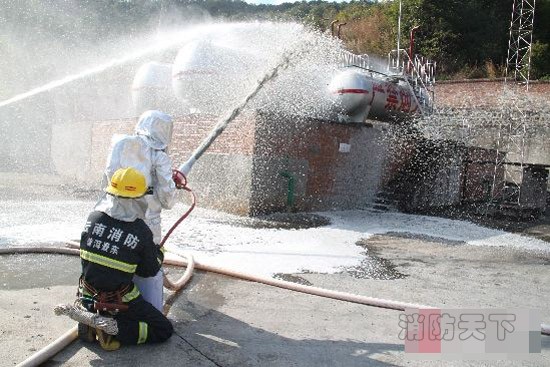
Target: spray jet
(186,167)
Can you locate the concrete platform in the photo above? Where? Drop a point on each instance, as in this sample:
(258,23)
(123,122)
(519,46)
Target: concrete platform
(220,321)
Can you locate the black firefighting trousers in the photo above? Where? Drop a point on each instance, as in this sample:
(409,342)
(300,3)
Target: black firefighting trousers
(142,323)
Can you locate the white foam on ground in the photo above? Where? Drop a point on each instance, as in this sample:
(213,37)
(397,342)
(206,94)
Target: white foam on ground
(214,238)
(325,249)
(24,222)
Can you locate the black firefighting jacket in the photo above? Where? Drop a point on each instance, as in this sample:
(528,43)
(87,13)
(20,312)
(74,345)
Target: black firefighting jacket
(112,251)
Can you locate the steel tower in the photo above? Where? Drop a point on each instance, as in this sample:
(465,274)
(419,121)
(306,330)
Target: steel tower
(510,151)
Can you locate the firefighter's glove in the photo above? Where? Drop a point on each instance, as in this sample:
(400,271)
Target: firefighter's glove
(179,179)
(107,324)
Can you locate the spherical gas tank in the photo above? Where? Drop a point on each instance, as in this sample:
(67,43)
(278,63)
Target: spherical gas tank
(193,71)
(351,92)
(151,88)
(208,76)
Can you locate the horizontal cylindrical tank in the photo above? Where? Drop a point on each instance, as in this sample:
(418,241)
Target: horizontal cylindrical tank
(361,95)
(352,94)
(152,88)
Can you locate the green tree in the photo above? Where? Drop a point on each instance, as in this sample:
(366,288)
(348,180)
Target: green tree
(456,33)
(540,61)
(368,31)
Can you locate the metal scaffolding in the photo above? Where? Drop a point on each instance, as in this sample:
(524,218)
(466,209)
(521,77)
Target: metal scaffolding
(518,62)
(510,150)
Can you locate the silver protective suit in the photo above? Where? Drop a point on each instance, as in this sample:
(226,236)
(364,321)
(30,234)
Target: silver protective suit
(146,151)
(127,210)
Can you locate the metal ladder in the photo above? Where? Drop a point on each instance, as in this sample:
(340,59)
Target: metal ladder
(419,73)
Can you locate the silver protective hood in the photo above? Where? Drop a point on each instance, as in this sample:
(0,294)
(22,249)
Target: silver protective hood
(155,128)
(126,210)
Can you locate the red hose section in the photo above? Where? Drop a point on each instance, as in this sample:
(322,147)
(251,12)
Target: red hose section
(185,215)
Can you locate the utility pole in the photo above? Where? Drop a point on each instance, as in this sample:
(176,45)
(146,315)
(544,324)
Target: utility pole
(399,35)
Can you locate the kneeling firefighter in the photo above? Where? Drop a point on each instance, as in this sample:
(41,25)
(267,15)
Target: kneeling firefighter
(115,245)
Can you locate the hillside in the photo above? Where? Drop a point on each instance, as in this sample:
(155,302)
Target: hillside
(468,39)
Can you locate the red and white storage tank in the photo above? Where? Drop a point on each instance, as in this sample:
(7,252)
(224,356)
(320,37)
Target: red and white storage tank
(360,94)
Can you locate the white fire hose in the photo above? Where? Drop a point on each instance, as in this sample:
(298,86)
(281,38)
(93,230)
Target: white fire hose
(53,348)
(71,335)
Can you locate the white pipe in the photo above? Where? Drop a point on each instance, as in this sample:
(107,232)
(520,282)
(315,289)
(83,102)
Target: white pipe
(348,297)
(51,349)
(40,250)
(399,36)
(176,286)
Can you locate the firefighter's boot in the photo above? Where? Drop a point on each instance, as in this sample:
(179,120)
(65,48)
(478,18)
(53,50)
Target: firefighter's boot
(86,333)
(107,342)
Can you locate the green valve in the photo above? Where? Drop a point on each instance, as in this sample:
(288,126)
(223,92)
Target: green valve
(290,189)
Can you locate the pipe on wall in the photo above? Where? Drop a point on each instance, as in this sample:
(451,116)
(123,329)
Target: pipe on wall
(291,186)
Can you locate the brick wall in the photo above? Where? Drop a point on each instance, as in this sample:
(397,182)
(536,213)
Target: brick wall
(482,92)
(324,176)
(479,104)
(191,130)
(259,159)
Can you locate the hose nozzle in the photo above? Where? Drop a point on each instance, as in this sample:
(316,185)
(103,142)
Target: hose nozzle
(186,167)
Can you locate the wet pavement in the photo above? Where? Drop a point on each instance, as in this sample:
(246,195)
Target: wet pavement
(278,221)
(221,321)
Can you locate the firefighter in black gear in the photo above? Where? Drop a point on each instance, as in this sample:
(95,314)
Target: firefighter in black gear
(116,244)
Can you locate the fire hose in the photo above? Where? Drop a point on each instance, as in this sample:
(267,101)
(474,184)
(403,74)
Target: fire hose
(72,334)
(56,346)
(59,344)
(72,249)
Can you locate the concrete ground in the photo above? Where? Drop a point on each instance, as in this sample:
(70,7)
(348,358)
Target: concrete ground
(220,321)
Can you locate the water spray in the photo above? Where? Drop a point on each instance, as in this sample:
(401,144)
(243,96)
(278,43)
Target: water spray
(185,168)
(164,44)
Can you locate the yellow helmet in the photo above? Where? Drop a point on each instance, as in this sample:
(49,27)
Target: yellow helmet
(127,183)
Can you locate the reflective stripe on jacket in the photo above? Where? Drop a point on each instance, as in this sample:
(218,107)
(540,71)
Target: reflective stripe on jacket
(112,251)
